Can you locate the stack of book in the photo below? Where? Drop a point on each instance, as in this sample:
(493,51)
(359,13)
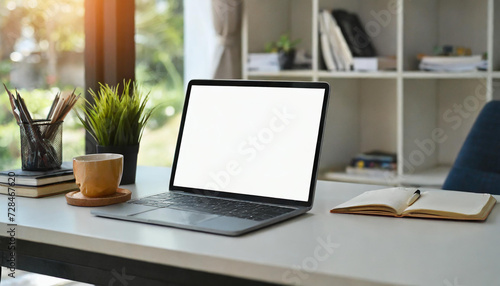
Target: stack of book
(343,41)
(375,163)
(38,183)
(263,62)
(452,63)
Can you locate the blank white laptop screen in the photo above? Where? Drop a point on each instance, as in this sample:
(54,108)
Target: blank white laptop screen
(250,140)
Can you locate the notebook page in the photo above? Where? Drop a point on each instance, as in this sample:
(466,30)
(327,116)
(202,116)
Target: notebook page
(450,201)
(395,198)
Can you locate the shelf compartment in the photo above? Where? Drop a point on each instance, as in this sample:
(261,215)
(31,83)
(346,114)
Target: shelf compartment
(496,89)
(496,36)
(438,115)
(379,20)
(278,17)
(447,22)
(378,17)
(362,116)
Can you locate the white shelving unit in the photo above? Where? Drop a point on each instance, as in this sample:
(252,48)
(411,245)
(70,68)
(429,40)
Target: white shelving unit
(424,117)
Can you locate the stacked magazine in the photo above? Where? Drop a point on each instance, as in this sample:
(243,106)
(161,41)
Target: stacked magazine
(374,163)
(452,63)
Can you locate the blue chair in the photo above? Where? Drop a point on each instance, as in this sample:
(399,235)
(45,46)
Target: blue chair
(477,167)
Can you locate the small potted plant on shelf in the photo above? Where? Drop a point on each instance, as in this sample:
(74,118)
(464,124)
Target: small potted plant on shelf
(285,48)
(116,120)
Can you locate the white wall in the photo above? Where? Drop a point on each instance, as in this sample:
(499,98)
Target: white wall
(199,40)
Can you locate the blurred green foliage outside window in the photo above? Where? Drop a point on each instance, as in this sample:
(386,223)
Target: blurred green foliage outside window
(41,53)
(160,67)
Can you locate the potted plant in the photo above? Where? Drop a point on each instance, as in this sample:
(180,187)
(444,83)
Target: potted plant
(285,48)
(116,120)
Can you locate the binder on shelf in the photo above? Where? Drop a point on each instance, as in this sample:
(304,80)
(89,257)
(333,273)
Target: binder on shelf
(334,45)
(326,50)
(337,46)
(358,40)
(344,49)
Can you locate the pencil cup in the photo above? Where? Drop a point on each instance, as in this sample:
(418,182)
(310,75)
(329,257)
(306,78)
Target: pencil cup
(41,145)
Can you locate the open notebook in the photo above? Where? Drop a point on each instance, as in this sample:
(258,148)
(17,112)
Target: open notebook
(431,204)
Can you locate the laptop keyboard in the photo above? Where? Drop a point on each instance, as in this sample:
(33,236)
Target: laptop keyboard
(217,206)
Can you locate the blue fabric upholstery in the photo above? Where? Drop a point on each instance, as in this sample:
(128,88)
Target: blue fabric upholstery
(477,167)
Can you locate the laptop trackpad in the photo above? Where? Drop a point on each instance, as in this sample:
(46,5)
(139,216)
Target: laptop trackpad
(174,216)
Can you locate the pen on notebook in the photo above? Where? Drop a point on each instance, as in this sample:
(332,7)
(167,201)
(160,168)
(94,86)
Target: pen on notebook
(414,198)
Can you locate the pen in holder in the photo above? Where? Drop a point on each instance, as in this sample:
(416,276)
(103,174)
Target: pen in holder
(41,140)
(41,145)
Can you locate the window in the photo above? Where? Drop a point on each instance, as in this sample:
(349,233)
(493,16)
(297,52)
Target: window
(41,53)
(160,68)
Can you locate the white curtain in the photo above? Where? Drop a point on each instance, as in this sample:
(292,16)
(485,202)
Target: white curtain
(227,15)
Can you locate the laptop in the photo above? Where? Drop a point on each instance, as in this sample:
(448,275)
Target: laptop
(246,157)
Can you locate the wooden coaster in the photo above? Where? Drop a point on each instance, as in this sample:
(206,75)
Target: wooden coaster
(76,198)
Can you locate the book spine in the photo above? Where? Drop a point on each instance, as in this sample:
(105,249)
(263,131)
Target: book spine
(343,48)
(334,41)
(325,45)
(373,164)
(357,39)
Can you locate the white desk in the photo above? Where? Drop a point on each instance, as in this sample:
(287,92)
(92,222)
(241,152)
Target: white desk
(364,250)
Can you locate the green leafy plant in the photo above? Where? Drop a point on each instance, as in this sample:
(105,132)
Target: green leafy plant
(116,118)
(284,43)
